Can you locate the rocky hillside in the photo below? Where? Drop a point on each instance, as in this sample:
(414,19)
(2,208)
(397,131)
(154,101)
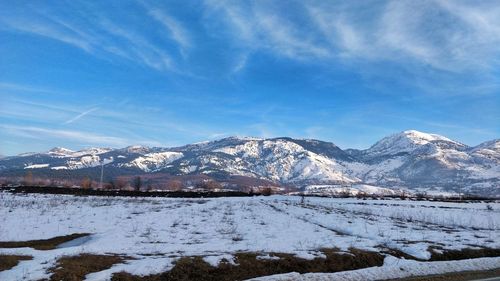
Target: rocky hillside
(408,159)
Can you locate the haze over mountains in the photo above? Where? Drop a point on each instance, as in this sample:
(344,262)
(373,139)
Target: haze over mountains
(408,159)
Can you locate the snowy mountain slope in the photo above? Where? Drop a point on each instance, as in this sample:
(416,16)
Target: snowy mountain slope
(485,160)
(284,160)
(353,189)
(417,159)
(64,152)
(151,162)
(487,151)
(407,142)
(407,159)
(60,152)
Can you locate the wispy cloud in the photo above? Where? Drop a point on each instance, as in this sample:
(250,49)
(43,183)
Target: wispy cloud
(139,47)
(49,30)
(80,136)
(240,63)
(6,86)
(100,37)
(446,35)
(177,32)
(449,36)
(80,115)
(256,27)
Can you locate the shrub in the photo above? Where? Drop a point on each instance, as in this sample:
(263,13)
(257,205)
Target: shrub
(266,191)
(209,185)
(86,183)
(137,183)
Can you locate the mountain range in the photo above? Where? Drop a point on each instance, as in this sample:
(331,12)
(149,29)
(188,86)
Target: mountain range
(409,159)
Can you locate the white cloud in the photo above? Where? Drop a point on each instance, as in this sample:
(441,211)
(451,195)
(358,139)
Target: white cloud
(83,137)
(176,30)
(81,115)
(6,86)
(445,35)
(285,39)
(49,30)
(138,48)
(254,27)
(240,63)
(449,36)
(99,37)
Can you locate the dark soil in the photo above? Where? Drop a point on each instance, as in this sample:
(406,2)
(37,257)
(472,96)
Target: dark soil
(76,267)
(248,266)
(43,244)
(465,254)
(9,261)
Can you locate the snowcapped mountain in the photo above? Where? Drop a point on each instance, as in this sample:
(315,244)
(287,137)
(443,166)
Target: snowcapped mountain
(488,151)
(284,160)
(60,151)
(408,159)
(151,162)
(417,159)
(408,142)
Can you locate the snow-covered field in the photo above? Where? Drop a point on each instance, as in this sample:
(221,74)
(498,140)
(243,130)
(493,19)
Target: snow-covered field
(157,231)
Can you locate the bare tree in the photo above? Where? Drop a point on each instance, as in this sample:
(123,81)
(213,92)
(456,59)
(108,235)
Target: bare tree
(266,191)
(174,185)
(361,195)
(120,183)
(66,183)
(403,195)
(209,185)
(137,183)
(86,183)
(28,178)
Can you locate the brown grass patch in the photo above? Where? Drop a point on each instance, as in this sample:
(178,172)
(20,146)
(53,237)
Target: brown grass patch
(463,254)
(248,266)
(398,254)
(42,244)
(74,268)
(9,261)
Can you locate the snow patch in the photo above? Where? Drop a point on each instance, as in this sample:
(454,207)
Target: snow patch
(37,166)
(154,161)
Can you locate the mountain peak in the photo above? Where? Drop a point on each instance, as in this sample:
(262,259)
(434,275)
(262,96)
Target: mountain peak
(409,158)
(60,151)
(421,137)
(241,138)
(136,149)
(492,144)
(59,148)
(405,142)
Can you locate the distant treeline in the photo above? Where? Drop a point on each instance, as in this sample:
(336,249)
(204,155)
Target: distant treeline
(407,196)
(126,193)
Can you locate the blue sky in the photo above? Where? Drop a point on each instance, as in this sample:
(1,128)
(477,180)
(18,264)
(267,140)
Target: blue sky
(163,73)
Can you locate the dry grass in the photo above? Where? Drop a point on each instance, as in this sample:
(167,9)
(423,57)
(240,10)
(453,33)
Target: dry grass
(76,267)
(249,266)
(9,261)
(464,254)
(43,244)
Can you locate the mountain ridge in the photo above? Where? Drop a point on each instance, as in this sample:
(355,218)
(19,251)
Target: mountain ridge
(409,159)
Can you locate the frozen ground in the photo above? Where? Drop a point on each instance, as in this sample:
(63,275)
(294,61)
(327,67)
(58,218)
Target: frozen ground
(157,231)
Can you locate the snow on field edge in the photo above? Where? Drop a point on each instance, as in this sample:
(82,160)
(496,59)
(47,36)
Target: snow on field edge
(393,268)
